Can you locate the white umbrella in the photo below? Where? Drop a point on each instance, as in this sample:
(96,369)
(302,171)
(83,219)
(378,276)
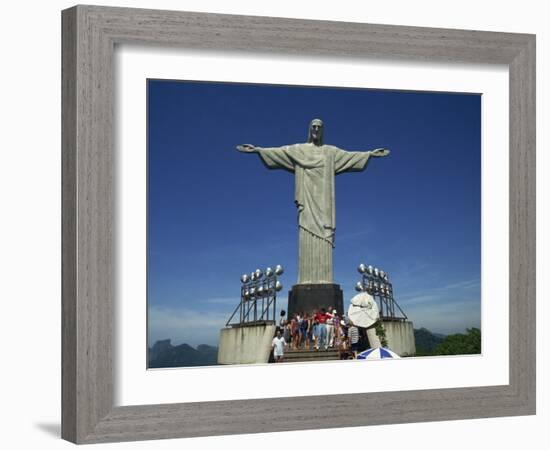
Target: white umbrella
(377,353)
(363,310)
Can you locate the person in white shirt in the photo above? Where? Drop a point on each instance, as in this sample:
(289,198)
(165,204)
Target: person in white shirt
(278,344)
(330,327)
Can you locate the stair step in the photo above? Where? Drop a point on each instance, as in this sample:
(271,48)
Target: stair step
(300,354)
(311,353)
(293,360)
(330,350)
(306,355)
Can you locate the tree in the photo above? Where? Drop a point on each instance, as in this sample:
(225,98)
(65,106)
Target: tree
(461,344)
(426,342)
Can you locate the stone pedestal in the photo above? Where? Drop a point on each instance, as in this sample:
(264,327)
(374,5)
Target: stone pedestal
(400,337)
(245,344)
(304,298)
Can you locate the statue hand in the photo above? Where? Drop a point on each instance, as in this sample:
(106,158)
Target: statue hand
(246,148)
(380,152)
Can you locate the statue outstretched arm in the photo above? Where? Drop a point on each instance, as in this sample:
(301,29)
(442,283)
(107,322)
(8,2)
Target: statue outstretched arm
(346,161)
(273,157)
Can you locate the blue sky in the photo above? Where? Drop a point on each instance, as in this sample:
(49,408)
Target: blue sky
(215,213)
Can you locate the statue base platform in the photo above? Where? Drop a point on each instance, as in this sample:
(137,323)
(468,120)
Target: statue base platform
(305,298)
(399,335)
(249,344)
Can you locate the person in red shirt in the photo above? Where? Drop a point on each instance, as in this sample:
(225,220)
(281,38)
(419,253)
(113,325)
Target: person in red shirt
(322,318)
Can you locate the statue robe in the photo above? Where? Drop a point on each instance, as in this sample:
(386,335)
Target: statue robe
(314,168)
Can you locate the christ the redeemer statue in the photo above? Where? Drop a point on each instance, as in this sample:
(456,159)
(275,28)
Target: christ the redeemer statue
(314,165)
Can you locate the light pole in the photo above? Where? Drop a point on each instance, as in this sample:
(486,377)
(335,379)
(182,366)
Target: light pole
(376,282)
(258,296)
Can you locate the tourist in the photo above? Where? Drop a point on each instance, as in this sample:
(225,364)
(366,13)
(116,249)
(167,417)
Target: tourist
(353,333)
(304,327)
(332,318)
(321,318)
(337,329)
(363,338)
(287,333)
(344,349)
(345,325)
(282,321)
(295,331)
(337,336)
(343,328)
(278,344)
(329,326)
(309,339)
(315,330)
(299,320)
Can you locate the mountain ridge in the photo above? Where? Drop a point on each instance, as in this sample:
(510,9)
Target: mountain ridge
(163,355)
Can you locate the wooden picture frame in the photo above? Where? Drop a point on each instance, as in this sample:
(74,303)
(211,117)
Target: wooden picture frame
(89,37)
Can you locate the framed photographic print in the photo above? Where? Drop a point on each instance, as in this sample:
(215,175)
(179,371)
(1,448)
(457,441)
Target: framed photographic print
(186,261)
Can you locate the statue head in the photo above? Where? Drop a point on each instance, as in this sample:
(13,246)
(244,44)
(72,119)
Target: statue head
(316,132)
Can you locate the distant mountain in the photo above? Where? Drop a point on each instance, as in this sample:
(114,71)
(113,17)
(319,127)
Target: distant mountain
(426,341)
(164,354)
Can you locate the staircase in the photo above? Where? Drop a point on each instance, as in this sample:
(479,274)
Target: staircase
(311,355)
